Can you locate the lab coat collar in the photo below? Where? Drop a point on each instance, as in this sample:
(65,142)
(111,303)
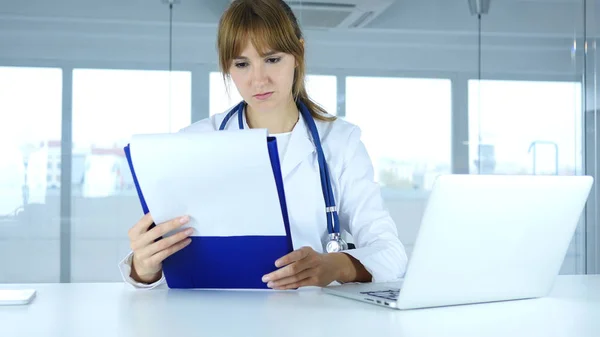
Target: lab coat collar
(299,147)
(233,121)
(244,120)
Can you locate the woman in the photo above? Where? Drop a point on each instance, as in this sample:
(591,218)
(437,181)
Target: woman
(261,49)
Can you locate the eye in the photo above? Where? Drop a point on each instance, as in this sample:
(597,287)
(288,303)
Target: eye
(241,64)
(273,59)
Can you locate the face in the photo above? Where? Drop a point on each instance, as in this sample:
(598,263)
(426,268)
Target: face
(265,82)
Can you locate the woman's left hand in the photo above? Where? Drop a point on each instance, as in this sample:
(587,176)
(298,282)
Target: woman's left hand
(306,267)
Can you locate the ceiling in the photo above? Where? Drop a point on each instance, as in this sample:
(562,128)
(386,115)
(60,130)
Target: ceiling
(519,36)
(522,17)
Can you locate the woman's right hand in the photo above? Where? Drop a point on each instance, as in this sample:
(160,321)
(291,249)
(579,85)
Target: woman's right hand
(146,266)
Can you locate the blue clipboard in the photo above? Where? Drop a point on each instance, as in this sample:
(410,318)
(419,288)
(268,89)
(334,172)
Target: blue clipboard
(237,262)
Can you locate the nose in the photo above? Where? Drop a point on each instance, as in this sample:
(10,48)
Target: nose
(259,75)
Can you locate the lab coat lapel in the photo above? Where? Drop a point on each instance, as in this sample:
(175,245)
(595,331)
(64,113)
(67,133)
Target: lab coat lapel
(299,147)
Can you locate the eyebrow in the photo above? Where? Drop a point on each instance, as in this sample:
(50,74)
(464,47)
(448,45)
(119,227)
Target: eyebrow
(271,53)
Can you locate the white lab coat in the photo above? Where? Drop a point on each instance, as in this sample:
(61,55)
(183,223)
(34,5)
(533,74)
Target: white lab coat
(361,209)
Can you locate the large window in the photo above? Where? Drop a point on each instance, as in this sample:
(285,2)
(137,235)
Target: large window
(30,139)
(224,95)
(109,106)
(406,127)
(525,127)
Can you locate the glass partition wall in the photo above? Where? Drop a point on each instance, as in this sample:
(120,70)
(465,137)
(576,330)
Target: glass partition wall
(437,87)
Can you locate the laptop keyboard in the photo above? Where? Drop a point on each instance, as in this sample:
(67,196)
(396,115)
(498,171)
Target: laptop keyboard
(389,294)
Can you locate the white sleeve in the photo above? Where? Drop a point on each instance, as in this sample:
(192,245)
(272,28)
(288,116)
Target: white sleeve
(125,268)
(363,215)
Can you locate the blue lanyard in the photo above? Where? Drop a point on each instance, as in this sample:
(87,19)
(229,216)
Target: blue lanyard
(333,221)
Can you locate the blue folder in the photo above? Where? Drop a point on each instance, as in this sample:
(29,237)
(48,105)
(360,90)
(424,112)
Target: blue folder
(233,262)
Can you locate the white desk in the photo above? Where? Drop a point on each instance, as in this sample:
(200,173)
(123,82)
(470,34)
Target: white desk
(115,309)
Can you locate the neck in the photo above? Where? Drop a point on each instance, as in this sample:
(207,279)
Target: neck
(279,120)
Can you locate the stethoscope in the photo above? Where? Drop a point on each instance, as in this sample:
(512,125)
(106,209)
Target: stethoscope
(335,242)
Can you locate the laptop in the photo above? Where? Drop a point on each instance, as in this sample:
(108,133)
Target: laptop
(484,238)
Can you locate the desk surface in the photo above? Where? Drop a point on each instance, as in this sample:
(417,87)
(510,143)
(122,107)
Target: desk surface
(115,309)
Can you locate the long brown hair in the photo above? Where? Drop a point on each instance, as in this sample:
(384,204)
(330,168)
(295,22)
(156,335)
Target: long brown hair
(268,25)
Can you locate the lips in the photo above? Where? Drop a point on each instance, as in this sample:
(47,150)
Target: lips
(263,96)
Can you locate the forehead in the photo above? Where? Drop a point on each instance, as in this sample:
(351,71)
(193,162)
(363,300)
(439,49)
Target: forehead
(254,54)
(253,45)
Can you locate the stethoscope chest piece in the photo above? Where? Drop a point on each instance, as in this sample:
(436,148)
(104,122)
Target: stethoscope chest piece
(335,243)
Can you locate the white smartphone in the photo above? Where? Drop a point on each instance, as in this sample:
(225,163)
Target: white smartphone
(16,296)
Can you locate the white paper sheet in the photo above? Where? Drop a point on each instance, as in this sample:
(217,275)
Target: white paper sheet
(223,180)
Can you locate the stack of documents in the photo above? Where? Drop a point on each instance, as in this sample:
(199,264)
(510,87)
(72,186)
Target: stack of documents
(229,183)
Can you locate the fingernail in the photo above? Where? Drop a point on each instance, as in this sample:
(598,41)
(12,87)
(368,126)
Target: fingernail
(265,279)
(277,263)
(270,284)
(189,231)
(184,219)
